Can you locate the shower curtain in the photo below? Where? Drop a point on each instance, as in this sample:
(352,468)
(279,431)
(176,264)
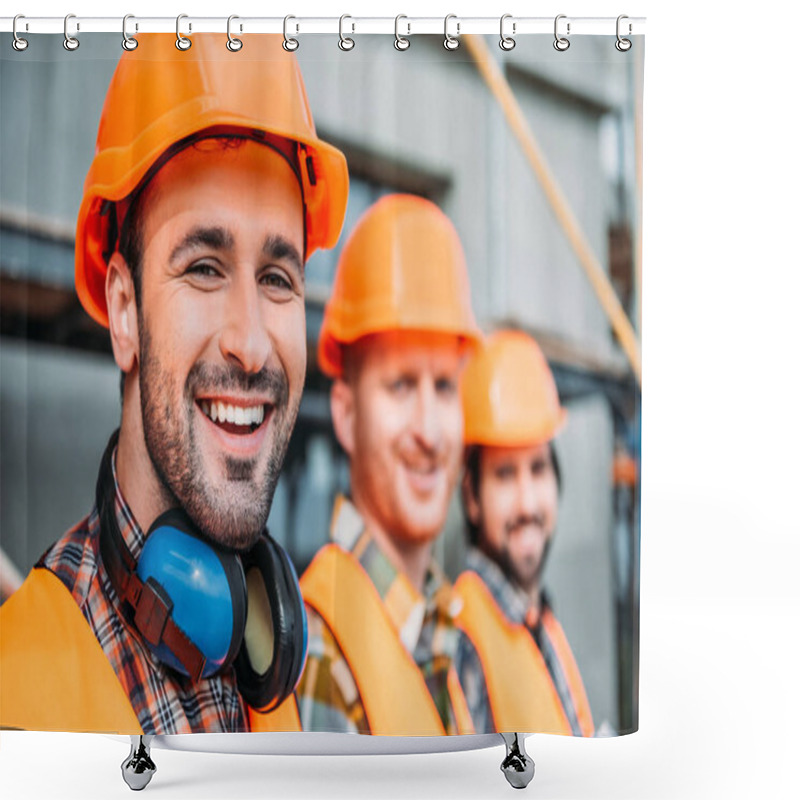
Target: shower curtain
(320,384)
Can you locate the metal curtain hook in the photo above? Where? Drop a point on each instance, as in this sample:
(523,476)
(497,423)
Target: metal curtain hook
(70,42)
(507,42)
(233,44)
(182,43)
(623,45)
(400,42)
(290,44)
(451,42)
(345,42)
(561,43)
(128,42)
(18,43)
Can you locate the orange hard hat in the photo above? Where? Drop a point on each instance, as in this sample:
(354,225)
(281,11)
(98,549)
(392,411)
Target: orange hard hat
(509,395)
(160,96)
(402,268)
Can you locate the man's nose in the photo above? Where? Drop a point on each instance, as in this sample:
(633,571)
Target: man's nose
(245,340)
(527,494)
(428,415)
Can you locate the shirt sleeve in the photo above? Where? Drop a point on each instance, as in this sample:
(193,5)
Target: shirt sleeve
(327,695)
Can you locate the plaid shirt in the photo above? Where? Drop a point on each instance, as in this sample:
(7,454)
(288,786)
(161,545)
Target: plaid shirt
(514,603)
(164,701)
(328,696)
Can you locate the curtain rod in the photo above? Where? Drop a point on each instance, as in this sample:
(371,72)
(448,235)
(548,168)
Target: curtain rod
(299,25)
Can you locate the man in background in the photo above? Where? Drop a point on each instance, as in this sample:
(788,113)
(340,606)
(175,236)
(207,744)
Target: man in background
(381,635)
(510,493)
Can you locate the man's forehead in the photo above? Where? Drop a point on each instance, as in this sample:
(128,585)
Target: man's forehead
(215,186)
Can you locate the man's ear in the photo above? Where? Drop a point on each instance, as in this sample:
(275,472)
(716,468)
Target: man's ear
(123,321)
(343,414)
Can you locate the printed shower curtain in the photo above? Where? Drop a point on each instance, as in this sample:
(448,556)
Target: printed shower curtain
(319,398)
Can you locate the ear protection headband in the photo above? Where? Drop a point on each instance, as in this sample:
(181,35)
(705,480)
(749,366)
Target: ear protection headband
(201,608)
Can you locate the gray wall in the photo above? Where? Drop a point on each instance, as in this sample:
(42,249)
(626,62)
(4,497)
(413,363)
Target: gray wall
(57,410)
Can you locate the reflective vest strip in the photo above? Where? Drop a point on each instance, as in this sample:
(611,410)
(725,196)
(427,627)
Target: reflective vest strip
(576,688)
(391,686)
(521,692)
(464,722)
(54,675)
(285,718)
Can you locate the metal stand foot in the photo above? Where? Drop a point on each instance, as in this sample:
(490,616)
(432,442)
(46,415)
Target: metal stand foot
(138,768)
(518,766)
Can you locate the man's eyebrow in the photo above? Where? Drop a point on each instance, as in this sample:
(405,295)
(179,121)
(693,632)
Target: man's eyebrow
(278,247)
(216,238)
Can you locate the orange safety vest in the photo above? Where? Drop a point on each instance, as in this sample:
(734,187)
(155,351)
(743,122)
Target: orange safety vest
(391,686)
(521,691)
(54,675)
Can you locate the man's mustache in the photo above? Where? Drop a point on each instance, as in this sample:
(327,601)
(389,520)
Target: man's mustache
(524,520)
(204,377)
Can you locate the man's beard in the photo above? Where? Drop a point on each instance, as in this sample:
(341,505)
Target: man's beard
(235,514)
(526,578)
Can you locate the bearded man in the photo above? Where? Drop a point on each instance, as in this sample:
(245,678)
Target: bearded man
(168,609)
(510,494)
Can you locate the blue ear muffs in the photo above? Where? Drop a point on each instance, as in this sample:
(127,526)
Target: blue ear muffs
(205,587)
(201,608)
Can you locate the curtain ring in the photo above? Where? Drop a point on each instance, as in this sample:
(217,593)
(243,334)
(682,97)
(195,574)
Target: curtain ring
(507,42)
(400,42)
(18,43)
(233,44)
(345,42)
(70,42)
(623,45)
(561,43)
(289,44)
(128,42)
(182,42)
(451,42)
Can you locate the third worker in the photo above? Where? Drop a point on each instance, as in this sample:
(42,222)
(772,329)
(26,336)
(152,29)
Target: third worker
(510,492)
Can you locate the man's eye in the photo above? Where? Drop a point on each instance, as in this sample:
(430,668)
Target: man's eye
(276,281)
(203,269)
(401,384)
(446,386)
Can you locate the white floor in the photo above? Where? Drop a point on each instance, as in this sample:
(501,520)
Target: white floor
(718,720)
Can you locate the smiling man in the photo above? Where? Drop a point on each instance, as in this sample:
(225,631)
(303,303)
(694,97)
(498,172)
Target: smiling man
(218,337)
(510,493)
(159,612)
(381,636)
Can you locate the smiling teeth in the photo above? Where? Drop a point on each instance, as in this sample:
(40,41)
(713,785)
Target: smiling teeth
(236,415)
